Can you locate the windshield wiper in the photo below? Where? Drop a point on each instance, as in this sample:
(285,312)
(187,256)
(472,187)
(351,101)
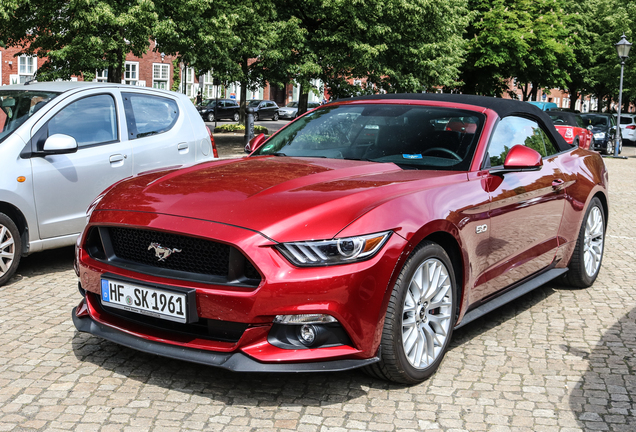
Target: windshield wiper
(278,154)
(361,159)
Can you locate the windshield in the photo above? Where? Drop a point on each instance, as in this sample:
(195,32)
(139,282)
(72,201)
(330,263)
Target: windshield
(209,102)
(292,105)
(417,137)
(16,106)
(254,103)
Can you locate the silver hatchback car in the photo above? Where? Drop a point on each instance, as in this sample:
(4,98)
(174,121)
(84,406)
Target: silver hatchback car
(63,143)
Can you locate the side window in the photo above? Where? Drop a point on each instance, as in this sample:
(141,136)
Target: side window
(517,130)
(92,120)
(149,115)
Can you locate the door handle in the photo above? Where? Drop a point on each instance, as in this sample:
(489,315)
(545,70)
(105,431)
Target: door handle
(557,184)
(182,148)
(117,158)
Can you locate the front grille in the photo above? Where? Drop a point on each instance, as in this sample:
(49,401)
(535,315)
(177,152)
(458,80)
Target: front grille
(171,255)
(187,254)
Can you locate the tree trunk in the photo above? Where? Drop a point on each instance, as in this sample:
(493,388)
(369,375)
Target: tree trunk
(525,91)
(574,96)
(303,98)
(535,91)
(243,96)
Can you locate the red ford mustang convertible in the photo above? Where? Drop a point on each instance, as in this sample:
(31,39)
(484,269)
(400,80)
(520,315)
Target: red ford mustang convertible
(360,235)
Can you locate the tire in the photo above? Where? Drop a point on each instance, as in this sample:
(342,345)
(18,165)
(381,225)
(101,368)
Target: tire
(255,117)
(10,248)
(275,117)
(428,330)
(576,142)
(609,149)
(235,117)
(585,264)
(211,117)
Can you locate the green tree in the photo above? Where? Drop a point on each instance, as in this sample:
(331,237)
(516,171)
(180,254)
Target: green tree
(396,46)
(243,41)
(522,39)
(79,36)
(611,20)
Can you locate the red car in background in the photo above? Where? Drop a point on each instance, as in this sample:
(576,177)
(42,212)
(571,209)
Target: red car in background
(360,235)
(572,128)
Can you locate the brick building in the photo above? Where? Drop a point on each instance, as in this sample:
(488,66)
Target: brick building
(153,69)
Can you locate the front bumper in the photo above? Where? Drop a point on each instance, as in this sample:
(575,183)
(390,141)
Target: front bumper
(286,115)
(236,362)
(284,290)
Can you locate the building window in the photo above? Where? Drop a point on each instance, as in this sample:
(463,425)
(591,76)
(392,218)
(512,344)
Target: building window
(26,68)
(190,82)
(208,86)
(101,76)
(160,74)
(131,75)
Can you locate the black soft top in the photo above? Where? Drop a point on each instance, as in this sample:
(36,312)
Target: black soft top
(503,107)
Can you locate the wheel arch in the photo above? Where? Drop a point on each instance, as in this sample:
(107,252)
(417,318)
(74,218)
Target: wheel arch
(451,246)
(20,221)
(603,199)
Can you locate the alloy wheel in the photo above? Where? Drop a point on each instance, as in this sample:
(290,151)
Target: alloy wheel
(427,311)
(594,238)
(7,250)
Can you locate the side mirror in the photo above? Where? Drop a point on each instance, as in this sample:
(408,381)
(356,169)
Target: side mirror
(590,127)
(59,144)
(520,158)
(255,143)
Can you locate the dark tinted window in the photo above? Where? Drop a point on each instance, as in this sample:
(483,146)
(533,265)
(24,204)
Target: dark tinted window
(517,130)
(407,135)
(626,120)
(254,103)
(596,120)
(149,115)
(91,120)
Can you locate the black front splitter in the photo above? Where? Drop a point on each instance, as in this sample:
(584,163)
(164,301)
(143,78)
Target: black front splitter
(237,362)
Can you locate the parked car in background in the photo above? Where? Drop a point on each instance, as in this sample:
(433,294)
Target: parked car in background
(572,128)
(225,108)
(264,109)
(604,130)
(544,105)
(360,235)
(290,111)
(64,143)
(628,127)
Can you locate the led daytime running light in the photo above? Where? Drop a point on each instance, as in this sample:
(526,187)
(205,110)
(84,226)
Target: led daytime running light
(332,252)
(305,319)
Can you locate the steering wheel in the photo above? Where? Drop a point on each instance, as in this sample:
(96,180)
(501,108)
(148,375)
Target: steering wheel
(443,150)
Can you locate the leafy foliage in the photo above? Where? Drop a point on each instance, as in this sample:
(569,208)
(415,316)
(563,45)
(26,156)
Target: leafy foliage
(79,36)
(233,127)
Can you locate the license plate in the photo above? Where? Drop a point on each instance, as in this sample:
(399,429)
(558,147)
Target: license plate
(158,303)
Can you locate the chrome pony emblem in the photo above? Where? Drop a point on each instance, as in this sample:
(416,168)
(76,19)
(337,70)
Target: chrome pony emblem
(161,252)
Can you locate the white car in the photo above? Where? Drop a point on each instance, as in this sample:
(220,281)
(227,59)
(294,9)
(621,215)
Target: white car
(628,127)
(63,143)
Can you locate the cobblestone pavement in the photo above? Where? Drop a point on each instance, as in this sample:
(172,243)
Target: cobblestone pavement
(557,360)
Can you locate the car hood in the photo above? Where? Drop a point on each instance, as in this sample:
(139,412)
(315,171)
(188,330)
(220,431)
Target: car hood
(284,198)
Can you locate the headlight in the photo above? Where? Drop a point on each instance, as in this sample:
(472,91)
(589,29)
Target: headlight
(600,135)
(332,252)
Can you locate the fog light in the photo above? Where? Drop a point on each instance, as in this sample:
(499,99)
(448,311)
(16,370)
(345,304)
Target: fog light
(307,334)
